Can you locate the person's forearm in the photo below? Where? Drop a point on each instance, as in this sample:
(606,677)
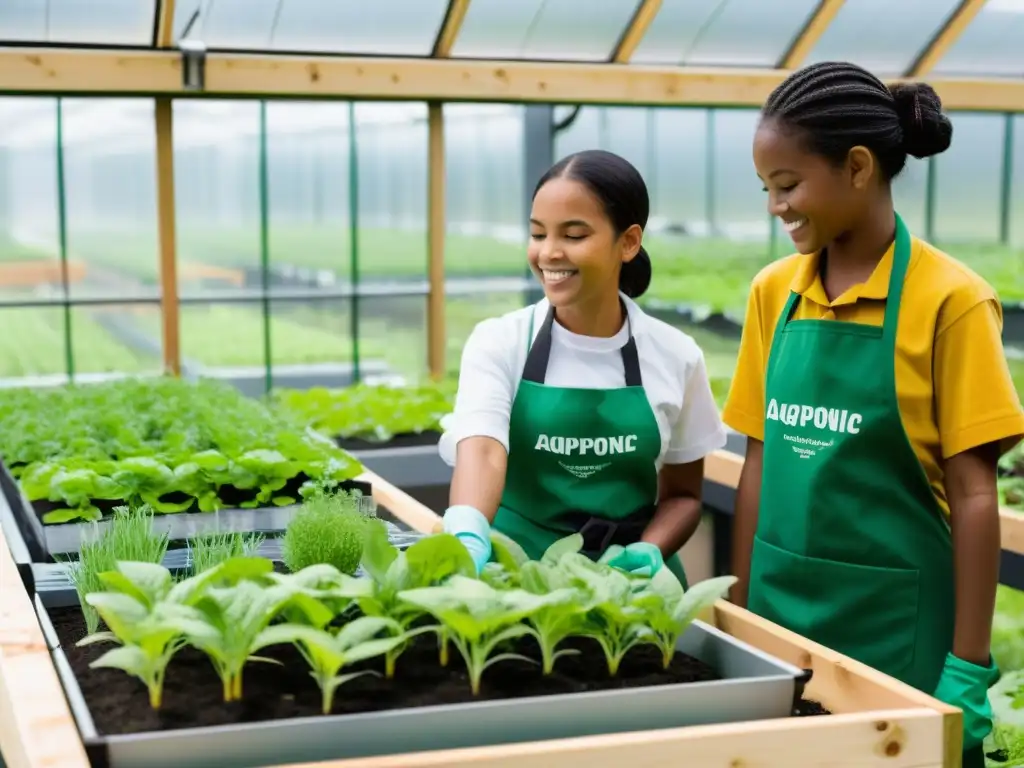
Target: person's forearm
(744,521)
(976,552)
(673,524)
(479,477)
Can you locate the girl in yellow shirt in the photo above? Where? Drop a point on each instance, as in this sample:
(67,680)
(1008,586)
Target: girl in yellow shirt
(872,386)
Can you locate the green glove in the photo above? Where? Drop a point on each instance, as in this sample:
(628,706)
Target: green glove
(640,558)
(965,685)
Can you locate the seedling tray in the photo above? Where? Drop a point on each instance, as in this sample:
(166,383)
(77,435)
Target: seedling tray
(754,686)
(45,542)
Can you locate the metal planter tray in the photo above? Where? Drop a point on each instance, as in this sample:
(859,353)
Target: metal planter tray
(756,687)
(46,541)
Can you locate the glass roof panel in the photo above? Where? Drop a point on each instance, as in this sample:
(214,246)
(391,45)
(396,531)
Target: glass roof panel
(555,30)
(383,27)
(882,35)
(104,22)
(716,33)
(991,44)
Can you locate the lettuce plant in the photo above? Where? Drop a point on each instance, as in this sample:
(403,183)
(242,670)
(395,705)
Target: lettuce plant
(150,632)
(613,620)
(428,562)
(238,616)
(328,653)
(668,610)
(479,618)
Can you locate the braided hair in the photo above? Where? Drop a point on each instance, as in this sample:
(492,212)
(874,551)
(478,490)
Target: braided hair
(838,106)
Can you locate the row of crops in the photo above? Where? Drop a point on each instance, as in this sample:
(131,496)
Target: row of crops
(681,271)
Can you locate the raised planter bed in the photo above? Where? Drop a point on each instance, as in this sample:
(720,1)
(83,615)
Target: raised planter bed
(875,720)
(46,542)
(719,679)
(73,454)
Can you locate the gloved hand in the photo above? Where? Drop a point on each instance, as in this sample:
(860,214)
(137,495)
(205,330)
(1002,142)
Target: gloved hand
(639,558)
(470,527)
(965,685)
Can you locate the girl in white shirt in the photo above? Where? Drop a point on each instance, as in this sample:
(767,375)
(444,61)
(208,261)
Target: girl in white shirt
(581,413)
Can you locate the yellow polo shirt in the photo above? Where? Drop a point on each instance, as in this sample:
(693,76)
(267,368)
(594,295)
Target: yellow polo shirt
(952,381)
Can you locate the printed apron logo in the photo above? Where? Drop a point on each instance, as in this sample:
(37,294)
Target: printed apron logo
(829,420)
(585,446)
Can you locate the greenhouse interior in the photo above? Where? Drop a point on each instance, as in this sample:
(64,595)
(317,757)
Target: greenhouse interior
(261,232)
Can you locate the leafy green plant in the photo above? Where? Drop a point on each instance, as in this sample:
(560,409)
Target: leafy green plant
(479,618)
(552,624)
(427,562)
(208,550)
(128,536)
(166,442)
(668,610)
(328,528)
(614,621)
(328,653)
(150,631)
(375,413)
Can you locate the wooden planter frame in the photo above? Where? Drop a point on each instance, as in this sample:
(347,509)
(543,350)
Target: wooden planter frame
(877,720)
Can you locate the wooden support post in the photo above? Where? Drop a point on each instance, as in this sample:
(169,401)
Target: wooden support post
(168,248)
(436,344)
(811,33)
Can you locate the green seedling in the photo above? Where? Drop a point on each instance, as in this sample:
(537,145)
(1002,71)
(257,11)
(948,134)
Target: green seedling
(128,536)
(209,550)
(427,562)
(479,618)
(613,621)
(327,654)
(149,631)
(668,610)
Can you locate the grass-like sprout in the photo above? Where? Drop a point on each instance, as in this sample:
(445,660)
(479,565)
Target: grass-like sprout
(329,529)
(129,536)
(208,550)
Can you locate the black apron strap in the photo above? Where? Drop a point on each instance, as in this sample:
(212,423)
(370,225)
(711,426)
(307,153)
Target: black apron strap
(536,367)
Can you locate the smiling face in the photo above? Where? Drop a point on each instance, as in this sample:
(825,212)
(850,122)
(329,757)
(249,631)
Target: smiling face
(817,200)
(574,249)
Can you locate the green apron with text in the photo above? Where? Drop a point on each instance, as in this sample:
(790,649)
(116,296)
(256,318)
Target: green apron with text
(580,460)
(852,549)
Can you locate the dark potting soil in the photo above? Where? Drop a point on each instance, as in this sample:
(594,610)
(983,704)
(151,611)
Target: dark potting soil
(192,691)
(809,708)
(230,496)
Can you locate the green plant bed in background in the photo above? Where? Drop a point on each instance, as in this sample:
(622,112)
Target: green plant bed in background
(79,451)
(368,414)
(711,272)
(32,344)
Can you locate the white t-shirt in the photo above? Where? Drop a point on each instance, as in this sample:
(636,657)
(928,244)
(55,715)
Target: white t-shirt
(674,375)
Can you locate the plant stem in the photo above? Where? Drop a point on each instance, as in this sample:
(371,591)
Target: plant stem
(154,694)
(226,686)
(236,689)
(389,663)
(326,696)
(443,643)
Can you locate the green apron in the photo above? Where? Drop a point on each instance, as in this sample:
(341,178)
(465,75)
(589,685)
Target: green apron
(580,460)
(852,549)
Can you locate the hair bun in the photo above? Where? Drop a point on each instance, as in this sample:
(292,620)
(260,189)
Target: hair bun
(926,130)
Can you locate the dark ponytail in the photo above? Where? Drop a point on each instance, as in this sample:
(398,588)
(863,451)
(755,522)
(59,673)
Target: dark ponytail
(623,193)
(635,277)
